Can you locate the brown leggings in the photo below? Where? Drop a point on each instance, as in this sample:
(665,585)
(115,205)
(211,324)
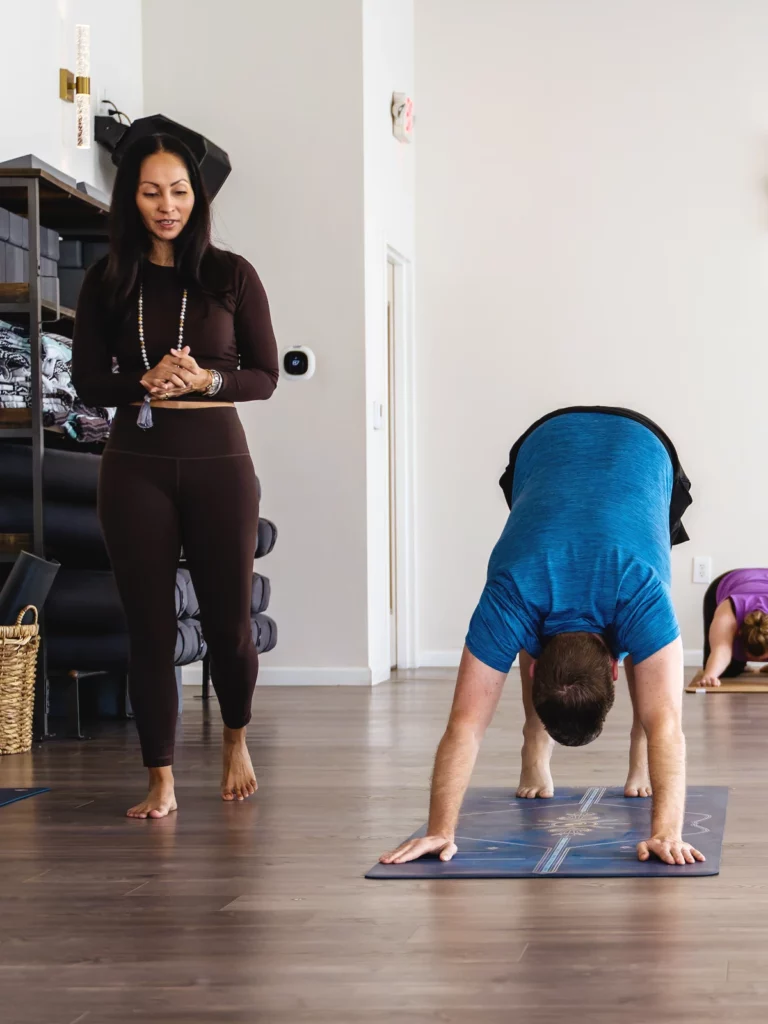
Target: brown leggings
(188,482)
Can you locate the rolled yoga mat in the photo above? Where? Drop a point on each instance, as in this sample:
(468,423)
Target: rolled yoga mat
(579,833)
(28,583)
(87,601)
(72,532)
(67,476)
(67,651)
(99,652)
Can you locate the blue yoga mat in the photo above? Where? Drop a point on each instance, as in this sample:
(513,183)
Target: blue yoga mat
(11,796)
(579,833)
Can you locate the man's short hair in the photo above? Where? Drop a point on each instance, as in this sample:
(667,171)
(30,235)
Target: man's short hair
(573,687)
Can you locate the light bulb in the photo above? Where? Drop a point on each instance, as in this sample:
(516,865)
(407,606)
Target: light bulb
(83,113)
(83,48)
(83,85)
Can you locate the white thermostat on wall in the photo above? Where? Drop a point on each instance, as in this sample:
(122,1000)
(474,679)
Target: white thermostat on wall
(298,363)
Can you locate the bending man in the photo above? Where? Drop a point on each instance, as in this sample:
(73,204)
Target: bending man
(579,578)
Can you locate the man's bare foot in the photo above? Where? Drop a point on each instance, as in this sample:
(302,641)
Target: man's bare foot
(638,779)
(638,782)
(161,798)
(238,780)
(535,774)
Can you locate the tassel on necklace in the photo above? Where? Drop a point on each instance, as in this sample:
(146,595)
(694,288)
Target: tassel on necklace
(145,421)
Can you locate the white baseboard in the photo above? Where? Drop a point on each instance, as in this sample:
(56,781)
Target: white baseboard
(438,659)
(362,676)
(442,659)
(451,658)
(192,675)
(380,675)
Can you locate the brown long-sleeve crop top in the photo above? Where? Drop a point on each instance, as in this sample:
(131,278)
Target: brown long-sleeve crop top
(237,341)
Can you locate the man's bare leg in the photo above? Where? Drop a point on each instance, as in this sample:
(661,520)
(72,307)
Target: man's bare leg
(535,774)
(638,780)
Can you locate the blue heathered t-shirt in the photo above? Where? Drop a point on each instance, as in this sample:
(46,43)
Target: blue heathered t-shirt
(586,546)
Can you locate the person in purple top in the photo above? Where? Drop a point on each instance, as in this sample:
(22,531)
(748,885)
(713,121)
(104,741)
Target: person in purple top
(735,625)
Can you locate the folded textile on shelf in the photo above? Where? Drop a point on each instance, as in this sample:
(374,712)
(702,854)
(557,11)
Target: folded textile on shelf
(61,406)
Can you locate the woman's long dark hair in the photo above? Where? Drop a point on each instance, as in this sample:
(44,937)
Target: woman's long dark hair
(198,262)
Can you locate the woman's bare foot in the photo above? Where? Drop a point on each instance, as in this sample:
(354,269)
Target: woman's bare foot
(638,779)
(535,775)
(238,780)
(161,798)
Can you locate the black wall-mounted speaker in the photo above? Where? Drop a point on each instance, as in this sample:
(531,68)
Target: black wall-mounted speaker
(215,166)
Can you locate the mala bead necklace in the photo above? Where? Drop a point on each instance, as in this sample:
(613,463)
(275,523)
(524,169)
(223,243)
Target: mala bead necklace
(144,416)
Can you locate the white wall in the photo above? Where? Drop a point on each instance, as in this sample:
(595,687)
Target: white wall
(39,38)
(279,86)
(389,221)
(592,227)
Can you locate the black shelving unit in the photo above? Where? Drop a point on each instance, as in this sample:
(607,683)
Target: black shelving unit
(41,198)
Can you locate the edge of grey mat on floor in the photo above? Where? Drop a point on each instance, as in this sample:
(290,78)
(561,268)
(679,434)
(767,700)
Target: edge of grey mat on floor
(582,832)
(12,796)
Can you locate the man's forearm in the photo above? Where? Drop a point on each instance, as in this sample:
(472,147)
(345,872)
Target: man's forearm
(454,762)
(666,761)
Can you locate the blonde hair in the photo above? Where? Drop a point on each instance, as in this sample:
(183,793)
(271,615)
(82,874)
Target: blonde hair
(754,634)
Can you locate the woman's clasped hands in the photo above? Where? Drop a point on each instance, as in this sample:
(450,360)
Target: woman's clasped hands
(176,374)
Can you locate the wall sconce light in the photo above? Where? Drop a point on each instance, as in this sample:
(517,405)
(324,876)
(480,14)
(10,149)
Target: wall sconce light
(77,88)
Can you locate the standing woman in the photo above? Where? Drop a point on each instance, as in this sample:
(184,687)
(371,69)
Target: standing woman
(190,327)
(735,624)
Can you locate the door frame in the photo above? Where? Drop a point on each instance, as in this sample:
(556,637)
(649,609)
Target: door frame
(405,454)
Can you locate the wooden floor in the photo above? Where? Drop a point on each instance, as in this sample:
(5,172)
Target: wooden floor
(260,913)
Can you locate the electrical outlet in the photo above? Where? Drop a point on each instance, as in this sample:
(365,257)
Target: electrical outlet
(702,569)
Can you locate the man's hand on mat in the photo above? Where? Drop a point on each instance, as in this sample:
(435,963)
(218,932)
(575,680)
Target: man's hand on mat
(412,849)
(670,851)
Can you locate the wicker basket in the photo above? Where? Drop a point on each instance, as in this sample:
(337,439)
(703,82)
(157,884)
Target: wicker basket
(18,661)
